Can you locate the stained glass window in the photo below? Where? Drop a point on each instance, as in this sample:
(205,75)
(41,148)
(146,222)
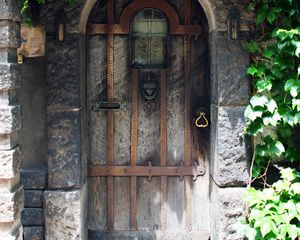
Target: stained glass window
(149,39)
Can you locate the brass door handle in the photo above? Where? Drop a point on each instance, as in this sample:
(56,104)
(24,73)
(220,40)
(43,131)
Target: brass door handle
(200,119)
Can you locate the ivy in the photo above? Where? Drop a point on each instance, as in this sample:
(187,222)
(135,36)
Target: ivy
(275,211)
(275,69)
(271,116)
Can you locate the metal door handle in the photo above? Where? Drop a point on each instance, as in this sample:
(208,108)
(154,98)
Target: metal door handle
(199,121)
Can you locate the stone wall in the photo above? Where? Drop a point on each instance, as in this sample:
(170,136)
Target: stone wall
(11,192)
(230,89)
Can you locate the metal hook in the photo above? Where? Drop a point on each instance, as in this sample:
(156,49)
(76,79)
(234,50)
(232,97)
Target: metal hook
(197,122)
(181,178)
(149,178)
(195,178)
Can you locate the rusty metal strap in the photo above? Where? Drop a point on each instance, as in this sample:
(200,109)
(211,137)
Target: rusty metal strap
(145,171)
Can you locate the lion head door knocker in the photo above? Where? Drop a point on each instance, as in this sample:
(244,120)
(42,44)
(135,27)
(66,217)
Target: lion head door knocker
(149,89)
(149,86)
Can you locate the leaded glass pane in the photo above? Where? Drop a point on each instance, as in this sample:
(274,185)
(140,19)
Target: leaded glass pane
(148,39)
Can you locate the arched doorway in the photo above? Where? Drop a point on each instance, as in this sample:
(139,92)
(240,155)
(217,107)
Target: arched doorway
(148,82)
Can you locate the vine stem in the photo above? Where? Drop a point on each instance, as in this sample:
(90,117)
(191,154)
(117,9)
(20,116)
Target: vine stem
(252,162)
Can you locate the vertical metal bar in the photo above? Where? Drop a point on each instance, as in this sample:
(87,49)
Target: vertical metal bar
(187,123)
(133,152)
(163,147)
(110,118)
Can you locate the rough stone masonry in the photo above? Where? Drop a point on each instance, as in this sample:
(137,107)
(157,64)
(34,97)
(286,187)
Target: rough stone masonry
(11,191)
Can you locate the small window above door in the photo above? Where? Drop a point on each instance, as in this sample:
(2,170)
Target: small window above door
(149,30)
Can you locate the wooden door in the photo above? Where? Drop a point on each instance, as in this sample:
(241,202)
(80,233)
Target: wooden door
(149,163)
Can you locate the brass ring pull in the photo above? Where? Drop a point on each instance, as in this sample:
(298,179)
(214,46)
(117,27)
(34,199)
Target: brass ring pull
(197,122)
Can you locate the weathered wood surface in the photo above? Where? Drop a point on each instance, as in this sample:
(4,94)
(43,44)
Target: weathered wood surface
(148,193)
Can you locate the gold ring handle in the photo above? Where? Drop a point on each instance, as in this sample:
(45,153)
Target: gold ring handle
(197,122)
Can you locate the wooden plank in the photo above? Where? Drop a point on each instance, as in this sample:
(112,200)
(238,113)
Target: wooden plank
(163,147)
(97,206)
(122,203)
(187,116)
(175,133)
(122,82)
(134,148)
(148,217)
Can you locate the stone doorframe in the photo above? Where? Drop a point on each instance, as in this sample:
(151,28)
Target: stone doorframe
(65,200)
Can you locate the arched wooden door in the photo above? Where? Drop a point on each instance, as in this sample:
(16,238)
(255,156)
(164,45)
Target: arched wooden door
(147,85)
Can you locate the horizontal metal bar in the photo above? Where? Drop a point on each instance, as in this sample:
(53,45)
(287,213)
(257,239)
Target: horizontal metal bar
(145,171)
(98,29)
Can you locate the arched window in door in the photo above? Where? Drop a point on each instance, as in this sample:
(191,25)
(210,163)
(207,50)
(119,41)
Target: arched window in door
(149,30)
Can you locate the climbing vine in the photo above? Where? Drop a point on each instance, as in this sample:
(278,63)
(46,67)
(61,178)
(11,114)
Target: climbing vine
(272,116)
(274,108)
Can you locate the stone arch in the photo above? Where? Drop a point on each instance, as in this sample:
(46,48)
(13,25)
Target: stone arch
(89,4)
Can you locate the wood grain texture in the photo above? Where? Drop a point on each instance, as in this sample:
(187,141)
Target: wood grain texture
(148,202)
(175,102)
(122,203)
(97,204)
(96,91)
(122,87)
(148,132)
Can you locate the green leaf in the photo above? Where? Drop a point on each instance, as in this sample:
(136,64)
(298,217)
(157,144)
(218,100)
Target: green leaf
(294,91)
(252,114)
(296,104)
(261,14)
(268,53)
(258,101)
(263,85)
(288,174)
(295,187)
(271,17)
(252,46)
(271,105)
(254,128)
(267,227)
(292,231)
(252,70)
(277,148)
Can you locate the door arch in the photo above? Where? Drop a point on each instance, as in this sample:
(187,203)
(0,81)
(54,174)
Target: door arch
(127,197)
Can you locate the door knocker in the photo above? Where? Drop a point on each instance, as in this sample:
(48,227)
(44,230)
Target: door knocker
(201,121)
(149,86)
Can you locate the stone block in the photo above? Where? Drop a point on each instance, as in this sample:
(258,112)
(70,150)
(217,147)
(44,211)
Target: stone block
(71,15)
(8,141)
(8,55)
(63,150)
(8,185)
(221,9)
(34,179)
(11,231)
(10,163)
(32,217)
(10,76)
(34,41)
(11,205)
(33,198)
(10,118)
(227,210)
(63,73)
(34,233)
(229,62)
(9,34)
(10,10)
(63,218)
(230,154)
